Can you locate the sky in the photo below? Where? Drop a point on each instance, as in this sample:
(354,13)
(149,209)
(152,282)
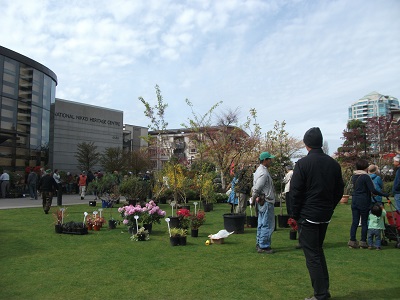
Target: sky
(299,61)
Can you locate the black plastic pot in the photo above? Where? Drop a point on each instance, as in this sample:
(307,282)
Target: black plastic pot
(252,221)
(282,221)
(234,222)
(112,224)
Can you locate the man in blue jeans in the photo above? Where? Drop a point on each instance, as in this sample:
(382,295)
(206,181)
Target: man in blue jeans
(264,196)
(315,190)
(396,183)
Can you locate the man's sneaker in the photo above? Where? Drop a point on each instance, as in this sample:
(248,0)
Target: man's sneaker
(265,250)
(353,244)
(82,198)
(370,248)
(378,248)
(363,245)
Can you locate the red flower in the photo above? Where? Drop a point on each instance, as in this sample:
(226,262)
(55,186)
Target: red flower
(293,224)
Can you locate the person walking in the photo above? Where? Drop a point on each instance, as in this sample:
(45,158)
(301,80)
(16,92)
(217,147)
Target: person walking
(57,178)
(32,182)
(47,185)
(316,188)
(5,183)
(361,203)
(264,200)
(396,183)
(82,184)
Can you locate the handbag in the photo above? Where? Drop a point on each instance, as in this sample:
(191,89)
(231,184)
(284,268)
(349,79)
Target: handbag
(228,192)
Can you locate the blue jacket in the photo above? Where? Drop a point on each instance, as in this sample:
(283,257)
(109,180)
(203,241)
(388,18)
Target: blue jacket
(378,185)
(396,183)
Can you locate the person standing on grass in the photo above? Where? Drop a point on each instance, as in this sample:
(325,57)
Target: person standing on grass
(396,183)
(243,188)
(47,185)
(361,203)
(377,180)
(264,196)
(57,178)
(315,190)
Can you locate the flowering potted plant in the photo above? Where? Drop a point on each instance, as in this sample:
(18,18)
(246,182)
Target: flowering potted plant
(196,220)
(293,228)
(184,218)
(128,214)
(141,235)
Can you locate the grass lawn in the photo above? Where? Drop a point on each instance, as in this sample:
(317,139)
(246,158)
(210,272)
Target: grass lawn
(37,263)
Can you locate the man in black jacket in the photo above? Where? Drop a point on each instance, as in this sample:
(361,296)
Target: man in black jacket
(315,190)
(47,185)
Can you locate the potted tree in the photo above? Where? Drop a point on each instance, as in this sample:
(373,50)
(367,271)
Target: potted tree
(134,189)
(347,174)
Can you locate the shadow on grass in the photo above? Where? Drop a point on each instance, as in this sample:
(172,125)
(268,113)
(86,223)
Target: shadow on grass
(391,293)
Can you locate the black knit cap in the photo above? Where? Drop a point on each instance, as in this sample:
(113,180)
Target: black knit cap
(313,138)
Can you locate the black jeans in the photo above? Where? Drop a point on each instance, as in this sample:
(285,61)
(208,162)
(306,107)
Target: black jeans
(311,238)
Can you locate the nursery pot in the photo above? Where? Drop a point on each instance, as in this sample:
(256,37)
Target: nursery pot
(174,222)
(234,222)
(208,207)
(293,235)
(112,224)
(282,221)
(251,221)
(58,228)
(174,240)
(182,240)
(96,227)
(132,230)
(148,227)
(194,233)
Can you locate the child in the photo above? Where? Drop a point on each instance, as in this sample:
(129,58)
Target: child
(375,226)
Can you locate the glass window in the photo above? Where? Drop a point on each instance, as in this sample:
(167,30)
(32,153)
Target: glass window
(10,77)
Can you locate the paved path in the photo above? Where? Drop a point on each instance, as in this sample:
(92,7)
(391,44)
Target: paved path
(26,202)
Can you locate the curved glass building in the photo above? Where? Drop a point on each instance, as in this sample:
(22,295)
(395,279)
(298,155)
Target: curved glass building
(27,89)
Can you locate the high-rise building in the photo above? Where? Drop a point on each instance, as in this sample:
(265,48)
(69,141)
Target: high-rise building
(372,105)
(27,89)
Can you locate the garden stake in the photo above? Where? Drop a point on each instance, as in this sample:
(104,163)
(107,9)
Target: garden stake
(84,218)
(169,229)
(62,215)
(137,226)
(100,210)
(251,202)
(195,205)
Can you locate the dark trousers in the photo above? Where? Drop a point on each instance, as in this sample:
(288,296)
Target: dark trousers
(358,213)
(288,204)
(59,195)
(311,238)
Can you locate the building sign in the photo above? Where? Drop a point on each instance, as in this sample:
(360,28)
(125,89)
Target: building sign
(87,119)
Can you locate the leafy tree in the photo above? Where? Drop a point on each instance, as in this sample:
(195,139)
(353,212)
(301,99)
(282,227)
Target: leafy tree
(355,143)
(87,155)
(225,143)
(112,159)
(156,115)
(137,161)
(383,134)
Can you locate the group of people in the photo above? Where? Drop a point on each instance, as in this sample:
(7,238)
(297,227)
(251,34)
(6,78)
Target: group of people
(312,191)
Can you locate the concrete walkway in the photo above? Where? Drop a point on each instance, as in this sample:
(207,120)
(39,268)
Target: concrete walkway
(26,202)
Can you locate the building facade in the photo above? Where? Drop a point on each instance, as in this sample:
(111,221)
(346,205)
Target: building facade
(133,137)
(27,89)
(73,123)
(372,105)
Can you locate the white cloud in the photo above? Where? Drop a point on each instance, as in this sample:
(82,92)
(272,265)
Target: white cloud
(300,61)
